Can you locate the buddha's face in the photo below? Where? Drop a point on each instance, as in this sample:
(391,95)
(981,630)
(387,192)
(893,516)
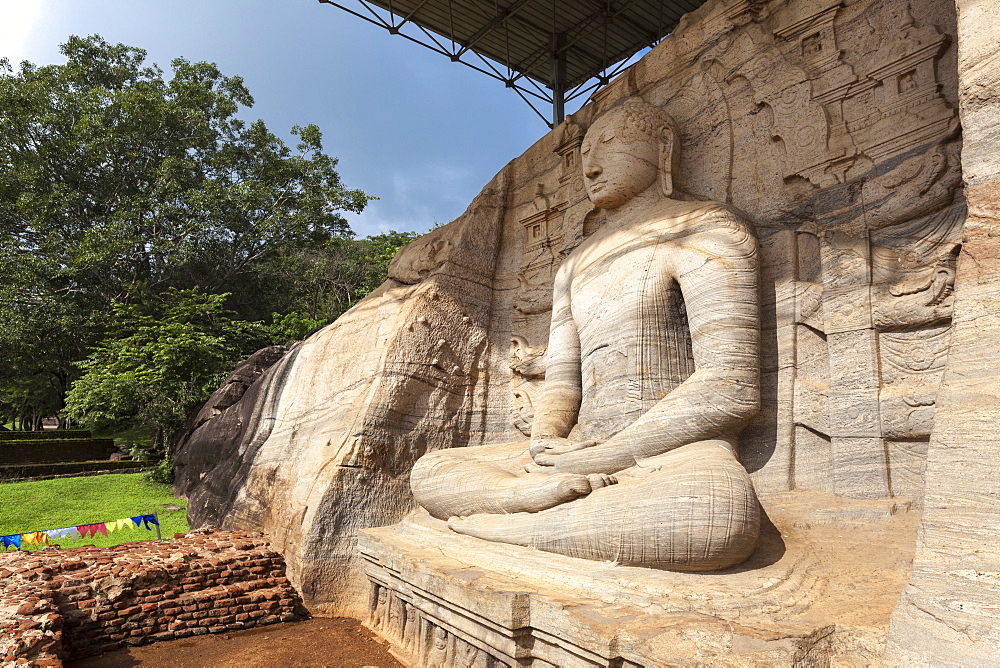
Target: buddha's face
(615,170)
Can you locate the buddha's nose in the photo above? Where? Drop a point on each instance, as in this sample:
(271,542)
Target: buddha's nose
(592,171)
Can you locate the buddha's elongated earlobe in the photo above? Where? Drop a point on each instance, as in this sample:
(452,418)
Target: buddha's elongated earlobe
(667,162)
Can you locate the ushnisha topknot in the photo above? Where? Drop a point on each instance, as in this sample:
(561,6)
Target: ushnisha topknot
(644,121)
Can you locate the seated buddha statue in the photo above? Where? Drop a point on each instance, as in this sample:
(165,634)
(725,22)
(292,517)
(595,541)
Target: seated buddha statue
(653,369)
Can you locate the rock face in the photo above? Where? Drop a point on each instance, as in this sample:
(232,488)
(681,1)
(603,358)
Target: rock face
(832,129)
(322,443)
(948,613)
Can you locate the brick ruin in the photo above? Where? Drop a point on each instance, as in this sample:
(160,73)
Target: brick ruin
(64,604)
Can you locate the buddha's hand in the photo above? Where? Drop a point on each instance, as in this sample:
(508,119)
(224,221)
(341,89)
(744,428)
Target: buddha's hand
(544,449)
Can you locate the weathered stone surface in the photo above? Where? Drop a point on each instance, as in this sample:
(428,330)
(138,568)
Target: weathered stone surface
(832,129)
(322,442)
(444,599)
(237,384)
(949,611)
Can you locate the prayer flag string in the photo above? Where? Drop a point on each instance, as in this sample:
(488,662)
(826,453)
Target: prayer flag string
(20,540)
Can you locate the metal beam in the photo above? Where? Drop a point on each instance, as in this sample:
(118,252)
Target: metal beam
(409,16)
(494,24)
(558,80)
(571,37)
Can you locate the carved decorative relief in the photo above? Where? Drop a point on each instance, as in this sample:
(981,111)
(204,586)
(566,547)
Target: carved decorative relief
(898,105)
(527,365)
(783,92)
(916,187)
(569,154)
(913,364)
(420,638)
(913,293)
(539,259)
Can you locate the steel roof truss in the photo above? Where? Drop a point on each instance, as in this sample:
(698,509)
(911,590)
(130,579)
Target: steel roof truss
(586,44)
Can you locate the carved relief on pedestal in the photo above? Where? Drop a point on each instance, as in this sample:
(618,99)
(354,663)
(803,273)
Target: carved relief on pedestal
(380,607)
(419,637)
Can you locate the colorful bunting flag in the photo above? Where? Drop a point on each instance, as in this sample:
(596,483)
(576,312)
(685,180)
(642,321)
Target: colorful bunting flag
(69,532)
(35,538)
(78,532)
(92,529)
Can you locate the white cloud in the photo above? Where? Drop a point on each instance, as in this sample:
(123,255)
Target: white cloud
(21,18)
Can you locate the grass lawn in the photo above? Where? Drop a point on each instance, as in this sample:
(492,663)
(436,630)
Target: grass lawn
(52,504)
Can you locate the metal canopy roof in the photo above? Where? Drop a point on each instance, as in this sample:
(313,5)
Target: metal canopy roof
(550,51)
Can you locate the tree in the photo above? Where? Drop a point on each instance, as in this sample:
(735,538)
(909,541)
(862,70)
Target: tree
(158,362)
(328,279)
(117,184)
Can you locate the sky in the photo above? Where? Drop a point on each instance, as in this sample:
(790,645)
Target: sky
(420,132)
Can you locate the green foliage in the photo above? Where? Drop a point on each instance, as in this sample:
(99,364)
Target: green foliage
(159,360)
(51,504)
(118,185)
(336,275)
(162,473)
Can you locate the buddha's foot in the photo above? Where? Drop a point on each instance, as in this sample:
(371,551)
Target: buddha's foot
(535,492)
(514,529)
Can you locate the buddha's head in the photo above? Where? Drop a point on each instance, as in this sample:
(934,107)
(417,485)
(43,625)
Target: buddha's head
(628,149)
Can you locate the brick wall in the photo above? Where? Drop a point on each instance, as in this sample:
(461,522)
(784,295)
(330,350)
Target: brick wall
(58,604)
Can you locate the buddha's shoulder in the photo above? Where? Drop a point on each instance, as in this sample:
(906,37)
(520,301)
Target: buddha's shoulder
(698,217)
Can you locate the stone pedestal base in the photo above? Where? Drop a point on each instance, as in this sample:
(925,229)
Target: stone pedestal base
(442,599)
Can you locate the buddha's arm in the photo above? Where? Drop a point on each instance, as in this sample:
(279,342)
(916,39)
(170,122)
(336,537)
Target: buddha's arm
(559,404)
(717,272)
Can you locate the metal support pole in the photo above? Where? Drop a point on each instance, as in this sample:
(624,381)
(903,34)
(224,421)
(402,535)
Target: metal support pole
(558,78)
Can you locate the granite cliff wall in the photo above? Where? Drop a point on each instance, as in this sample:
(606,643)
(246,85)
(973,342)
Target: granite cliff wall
(834,127)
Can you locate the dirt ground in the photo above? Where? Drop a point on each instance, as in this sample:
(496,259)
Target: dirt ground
(337,642)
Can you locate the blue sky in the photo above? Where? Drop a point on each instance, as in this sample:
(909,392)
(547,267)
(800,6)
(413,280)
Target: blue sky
(408,125)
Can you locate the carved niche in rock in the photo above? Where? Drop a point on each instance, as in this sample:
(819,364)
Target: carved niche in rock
(632,451)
